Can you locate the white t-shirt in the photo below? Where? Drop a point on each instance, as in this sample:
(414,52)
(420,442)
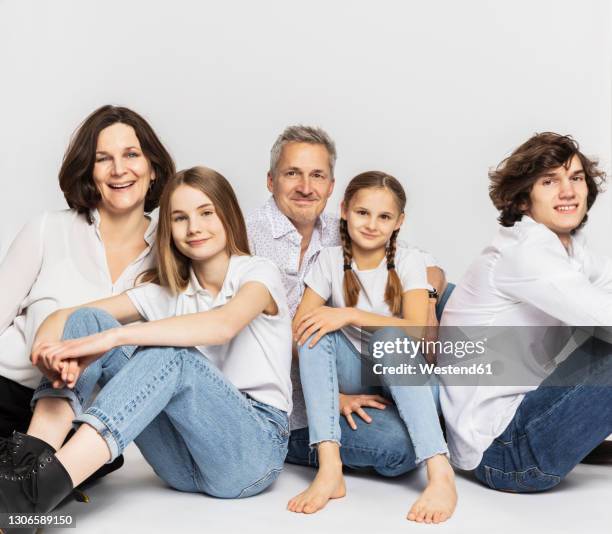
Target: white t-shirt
(258,359)
(327,274)
(56,261)
(524,278)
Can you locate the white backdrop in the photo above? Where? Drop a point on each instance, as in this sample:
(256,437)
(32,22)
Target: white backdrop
(432,92)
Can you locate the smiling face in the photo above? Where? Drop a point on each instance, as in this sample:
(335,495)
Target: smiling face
(372,215)
(558,198)
(121,172)
(197,231)
(302,182)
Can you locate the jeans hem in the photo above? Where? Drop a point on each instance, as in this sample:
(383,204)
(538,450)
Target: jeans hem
(101,423)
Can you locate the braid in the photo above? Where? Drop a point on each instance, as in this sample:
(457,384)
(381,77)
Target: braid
(393,290)
(350,282)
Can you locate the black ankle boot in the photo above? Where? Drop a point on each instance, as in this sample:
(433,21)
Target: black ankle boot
(37,485)
(13,450)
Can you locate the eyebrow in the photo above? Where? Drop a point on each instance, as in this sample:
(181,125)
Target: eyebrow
(126,148)
(198,208)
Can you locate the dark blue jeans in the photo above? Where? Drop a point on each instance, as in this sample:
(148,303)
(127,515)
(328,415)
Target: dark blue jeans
(555,426)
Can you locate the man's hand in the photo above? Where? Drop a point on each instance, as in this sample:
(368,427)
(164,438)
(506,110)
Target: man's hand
(350,404)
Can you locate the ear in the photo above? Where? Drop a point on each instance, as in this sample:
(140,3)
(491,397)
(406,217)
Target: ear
(400,221)
(331,189)
(270,182)
(343,210)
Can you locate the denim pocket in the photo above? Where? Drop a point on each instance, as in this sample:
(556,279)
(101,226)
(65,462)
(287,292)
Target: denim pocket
(261,484)
(279,421)
(530,480)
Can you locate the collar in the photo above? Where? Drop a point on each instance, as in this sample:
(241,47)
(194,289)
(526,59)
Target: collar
(281,224)
(195,288)
(577,240)
(149,235)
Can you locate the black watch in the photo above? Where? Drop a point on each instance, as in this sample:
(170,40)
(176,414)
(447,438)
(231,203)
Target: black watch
(433,293)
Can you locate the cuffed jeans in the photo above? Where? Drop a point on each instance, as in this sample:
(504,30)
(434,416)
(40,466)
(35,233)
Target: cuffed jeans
(333,365)
(555,426)
(196,429)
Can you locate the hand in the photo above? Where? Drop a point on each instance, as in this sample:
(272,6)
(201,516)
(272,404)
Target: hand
(350,404)
(71,370)
(49,331)
(322,320)
(88,349)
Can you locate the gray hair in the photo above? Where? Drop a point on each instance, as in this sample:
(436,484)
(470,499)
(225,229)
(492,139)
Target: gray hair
(303,134)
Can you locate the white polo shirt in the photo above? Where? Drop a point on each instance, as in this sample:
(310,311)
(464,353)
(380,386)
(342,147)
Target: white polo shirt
(525,277)
(258,359)
(56,261)
(327,275)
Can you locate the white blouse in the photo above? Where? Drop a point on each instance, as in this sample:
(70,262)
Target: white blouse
(524,278)
(257,360)
(56,261)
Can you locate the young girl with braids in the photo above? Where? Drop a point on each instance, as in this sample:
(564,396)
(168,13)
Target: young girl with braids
(368,282)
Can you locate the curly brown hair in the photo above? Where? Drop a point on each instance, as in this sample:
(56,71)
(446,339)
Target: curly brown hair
(513,179)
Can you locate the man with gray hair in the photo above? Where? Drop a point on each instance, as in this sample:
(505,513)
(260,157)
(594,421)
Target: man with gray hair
(291,229)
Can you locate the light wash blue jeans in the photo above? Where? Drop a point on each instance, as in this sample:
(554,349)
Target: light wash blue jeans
(333,365)
(196,429)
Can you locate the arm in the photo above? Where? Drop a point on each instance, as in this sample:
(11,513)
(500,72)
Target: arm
(19,270)
(50,331)
(437,279)
(214,327)
(538,273)
(324,319)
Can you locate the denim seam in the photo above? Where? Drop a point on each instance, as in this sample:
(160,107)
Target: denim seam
(274,470)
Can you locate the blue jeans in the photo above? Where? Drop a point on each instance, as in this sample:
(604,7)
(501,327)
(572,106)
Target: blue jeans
(555,426)
(196,429)
(333,365)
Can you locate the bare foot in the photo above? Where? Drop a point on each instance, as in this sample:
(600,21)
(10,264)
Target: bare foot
(437,503)
(328,484)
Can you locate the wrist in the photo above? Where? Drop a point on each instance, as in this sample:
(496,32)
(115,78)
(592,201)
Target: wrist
(352,315)
(116,336)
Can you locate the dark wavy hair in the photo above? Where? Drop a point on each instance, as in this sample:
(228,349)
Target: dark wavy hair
(513,179)
(76,173)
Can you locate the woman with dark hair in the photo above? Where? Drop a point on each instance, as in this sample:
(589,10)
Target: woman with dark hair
(112,174)
(202,386)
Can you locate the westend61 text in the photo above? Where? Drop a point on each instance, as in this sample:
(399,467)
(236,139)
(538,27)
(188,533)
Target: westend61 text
(430,368)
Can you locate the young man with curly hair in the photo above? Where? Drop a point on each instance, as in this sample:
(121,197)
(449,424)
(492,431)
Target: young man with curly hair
(538,271)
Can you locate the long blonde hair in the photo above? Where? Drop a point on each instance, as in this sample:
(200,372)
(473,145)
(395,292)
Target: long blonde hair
(351,284)
(172,266)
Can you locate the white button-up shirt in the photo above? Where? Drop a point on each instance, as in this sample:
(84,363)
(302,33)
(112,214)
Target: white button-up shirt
(56,261)
(525,277)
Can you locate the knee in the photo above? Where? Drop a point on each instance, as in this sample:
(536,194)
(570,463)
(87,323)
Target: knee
(399,456)
(87,321)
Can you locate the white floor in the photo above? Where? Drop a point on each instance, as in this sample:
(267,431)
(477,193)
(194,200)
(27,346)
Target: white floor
(134,500)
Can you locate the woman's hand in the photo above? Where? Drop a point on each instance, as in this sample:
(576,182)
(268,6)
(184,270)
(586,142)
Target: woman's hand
(50,330)
(86,349)
(321,320)
(350,404)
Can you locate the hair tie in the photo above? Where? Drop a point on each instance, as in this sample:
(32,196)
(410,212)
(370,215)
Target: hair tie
(390,265)
(347,267)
